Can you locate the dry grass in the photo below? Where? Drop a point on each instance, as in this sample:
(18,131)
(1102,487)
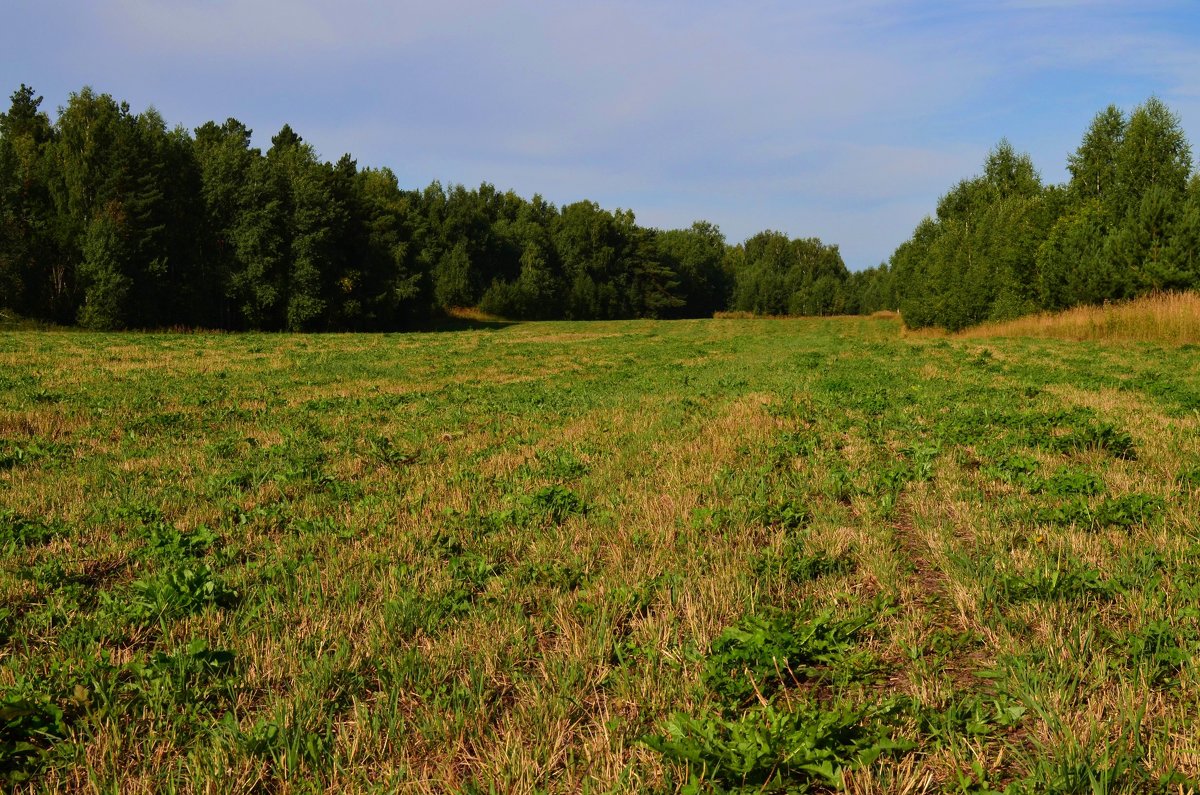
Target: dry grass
(1172,318)
(411,610)
(472,313)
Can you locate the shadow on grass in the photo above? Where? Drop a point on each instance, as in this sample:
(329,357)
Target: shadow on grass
(461,324)
(12,322)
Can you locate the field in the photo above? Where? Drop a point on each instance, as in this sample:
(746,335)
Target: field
(789,555)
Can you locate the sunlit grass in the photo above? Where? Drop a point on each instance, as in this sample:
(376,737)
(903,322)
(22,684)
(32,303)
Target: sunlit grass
(1168,318)
(569,557)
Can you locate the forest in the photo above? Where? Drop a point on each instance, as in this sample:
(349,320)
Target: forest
(1003,244)
(111,219)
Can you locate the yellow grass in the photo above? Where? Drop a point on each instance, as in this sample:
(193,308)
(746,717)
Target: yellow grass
(472,313)
(1172,318)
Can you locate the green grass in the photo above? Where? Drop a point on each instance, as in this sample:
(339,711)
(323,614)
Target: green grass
(767,555)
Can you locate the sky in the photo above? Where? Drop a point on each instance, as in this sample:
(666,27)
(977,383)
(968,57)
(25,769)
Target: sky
(839,120)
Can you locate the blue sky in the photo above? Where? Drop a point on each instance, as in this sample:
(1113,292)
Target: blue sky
(841,120)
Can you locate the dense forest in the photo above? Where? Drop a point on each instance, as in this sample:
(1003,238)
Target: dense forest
(1002,244)
(111,219)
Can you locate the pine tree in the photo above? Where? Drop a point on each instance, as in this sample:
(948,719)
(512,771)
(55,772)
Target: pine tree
(28,254)
(1141,250)
(224,158)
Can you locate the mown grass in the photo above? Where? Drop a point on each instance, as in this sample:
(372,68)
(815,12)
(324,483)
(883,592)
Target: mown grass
(769,555)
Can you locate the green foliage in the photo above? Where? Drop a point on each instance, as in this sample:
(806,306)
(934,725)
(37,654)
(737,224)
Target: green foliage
(803,748)
(29,251)
(107,287)
(762,654)
(1087,769)
(1063,580)
(29,727)
(787,515)
(1073,264)
(291,747)
(1094,164)
(167,541)
(1003,245)
(452,278)
(174,593)
(1126,511)
(975,261)
(1016,469)
(1102,437)
(1159,650)
(555,503)
(562,465)
(798,567)
(112,220)
(18,529)
(1067,481)
(563,576)
(775,275)
(1154,154)
(1129,510)
(697,257)
(971,716)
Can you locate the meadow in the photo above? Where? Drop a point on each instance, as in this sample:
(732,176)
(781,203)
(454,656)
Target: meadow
(691,556)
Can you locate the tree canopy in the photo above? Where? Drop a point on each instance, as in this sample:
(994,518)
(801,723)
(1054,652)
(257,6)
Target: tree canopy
(112,219)
(1003,244)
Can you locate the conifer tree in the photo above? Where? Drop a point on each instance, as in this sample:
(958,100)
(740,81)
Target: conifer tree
(30,279)
(224,158)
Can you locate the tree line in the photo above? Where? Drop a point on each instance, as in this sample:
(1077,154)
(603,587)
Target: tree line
(1003,244)
(110,219)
